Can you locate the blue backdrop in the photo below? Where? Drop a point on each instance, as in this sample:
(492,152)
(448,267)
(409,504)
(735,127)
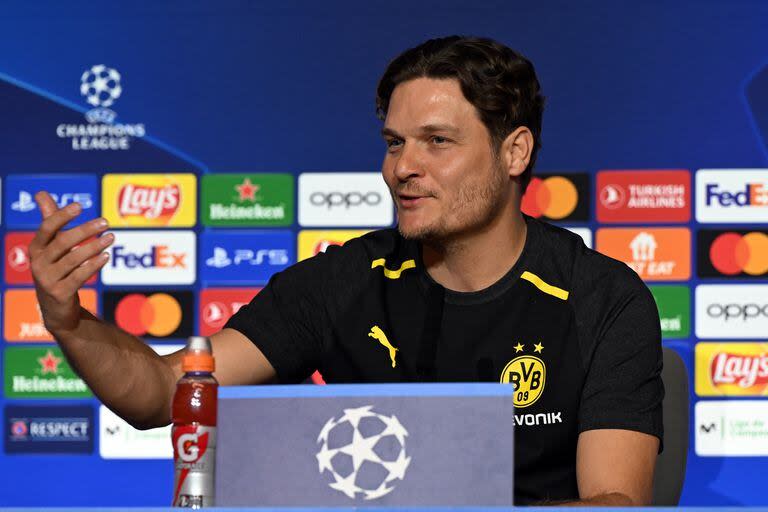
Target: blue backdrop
(287,86)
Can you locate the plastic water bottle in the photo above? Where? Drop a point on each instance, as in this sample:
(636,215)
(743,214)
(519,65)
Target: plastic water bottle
(194,427)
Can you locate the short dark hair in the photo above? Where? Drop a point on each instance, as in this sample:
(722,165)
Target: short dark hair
(498,81)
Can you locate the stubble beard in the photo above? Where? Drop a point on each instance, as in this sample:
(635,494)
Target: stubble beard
(473,208)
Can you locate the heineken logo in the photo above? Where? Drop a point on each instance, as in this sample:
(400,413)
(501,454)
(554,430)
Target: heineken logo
(41,372)
(247,199)
(674,305)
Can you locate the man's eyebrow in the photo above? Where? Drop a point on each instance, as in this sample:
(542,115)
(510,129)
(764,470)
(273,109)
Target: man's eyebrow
(427,128)
(390,132)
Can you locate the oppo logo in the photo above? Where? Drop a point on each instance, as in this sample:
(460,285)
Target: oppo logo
(345,199)
(743,311)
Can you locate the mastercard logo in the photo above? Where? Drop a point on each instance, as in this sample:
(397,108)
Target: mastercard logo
(734,253)
(158,314)
(555,197)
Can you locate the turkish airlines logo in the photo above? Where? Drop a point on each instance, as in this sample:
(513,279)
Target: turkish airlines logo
(151,314)
(151,257)
(17,269)
(344,199)
(658,254)
(558,197)
(217,305)
(644,196)
(732,311)
(737,253)
(729,195)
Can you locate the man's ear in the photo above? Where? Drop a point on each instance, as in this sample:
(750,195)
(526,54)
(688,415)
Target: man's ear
(516,151)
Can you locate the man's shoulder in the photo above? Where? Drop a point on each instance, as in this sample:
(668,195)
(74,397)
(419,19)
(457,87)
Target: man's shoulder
(362,252)
(581,269)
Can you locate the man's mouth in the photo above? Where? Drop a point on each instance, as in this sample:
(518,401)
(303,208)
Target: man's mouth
(411,200)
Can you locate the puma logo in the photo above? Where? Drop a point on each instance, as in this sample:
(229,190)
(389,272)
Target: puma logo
(377,334)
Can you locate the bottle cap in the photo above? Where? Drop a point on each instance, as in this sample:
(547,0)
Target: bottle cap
(198,356)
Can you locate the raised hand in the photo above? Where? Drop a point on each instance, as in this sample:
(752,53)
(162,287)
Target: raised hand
(59,268)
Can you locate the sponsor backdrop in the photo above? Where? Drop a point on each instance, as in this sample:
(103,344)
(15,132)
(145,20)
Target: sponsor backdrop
(226,141)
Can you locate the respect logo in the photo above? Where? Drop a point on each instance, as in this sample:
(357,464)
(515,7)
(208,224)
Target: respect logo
(733,253)
(217,305)
(151,257)
(22,320)
(558,197)
(157,200)
(45,429)
(312,242)
(732,195)
(643,196)
(149,313)
(656,254)
(731,369)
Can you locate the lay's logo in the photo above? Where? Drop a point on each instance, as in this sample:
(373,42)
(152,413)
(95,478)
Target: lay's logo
(133,200)
(558,197)
(148,202)
(731,369)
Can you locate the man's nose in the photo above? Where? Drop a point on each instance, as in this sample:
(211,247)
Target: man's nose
(408,162)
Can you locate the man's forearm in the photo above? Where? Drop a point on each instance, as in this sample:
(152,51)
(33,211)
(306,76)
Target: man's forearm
(121,370)
(614,499)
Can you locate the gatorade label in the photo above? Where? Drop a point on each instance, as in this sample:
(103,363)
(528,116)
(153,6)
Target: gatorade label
(194,455)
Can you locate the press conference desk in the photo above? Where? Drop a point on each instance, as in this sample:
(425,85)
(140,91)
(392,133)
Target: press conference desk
(394,509)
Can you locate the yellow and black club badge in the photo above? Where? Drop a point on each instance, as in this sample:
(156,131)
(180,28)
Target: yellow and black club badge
(528,374)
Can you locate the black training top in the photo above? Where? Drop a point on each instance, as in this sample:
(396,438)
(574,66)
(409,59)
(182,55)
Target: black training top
(576,332)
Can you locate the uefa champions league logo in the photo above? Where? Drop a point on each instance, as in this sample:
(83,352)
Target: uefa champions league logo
(364,452)
(101,87)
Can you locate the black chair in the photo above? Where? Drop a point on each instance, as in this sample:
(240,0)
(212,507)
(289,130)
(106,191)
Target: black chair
(670,465)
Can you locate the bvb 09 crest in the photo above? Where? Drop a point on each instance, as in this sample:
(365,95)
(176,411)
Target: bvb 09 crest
(527,374)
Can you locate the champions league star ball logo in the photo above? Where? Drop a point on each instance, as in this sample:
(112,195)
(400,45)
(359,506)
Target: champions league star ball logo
(364,452)
(101,86)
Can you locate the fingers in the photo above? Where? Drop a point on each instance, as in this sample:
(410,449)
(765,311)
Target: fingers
(77,278)
(51,225)
(46,204)
(79,256)
(65,241)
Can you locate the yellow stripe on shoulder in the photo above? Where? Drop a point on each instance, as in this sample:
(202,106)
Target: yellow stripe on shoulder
(393,274)
(545,287)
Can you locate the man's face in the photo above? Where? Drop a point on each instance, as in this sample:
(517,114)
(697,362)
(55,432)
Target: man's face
(440,166)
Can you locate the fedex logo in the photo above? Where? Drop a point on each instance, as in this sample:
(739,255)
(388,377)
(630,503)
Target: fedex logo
(753,194)
(732,196)
(21,210)
(159,256)
(245,257)
(136,258)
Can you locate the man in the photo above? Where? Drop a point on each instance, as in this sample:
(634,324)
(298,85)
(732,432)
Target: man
(467,288)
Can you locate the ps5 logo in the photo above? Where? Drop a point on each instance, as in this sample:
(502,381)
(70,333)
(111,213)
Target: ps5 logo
(26,203)
(221,259)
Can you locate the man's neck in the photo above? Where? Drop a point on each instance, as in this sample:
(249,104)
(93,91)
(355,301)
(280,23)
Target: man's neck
(478,260)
